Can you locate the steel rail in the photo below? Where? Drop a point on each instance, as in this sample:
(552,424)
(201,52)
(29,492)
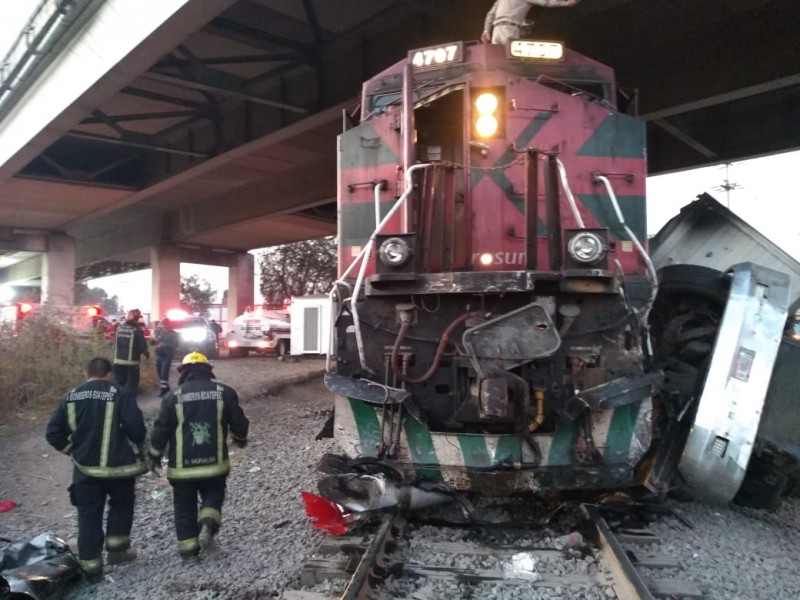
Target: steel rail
(363,580)
(629,584)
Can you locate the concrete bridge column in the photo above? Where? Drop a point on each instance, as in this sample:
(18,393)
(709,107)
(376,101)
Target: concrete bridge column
(166,264)
(240,285)
(58,270)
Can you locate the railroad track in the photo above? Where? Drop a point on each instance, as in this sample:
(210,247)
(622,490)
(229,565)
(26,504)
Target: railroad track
(428,560)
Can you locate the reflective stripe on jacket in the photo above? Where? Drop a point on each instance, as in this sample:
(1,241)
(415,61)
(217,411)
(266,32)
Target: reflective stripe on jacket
(129,344)
(101,428)
(194,421)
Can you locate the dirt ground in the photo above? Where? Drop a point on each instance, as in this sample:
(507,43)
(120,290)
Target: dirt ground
(36,477)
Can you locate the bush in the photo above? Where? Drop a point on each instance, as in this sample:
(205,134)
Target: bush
(45,358)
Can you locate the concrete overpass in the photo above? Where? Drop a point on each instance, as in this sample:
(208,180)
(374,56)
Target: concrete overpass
(199,129)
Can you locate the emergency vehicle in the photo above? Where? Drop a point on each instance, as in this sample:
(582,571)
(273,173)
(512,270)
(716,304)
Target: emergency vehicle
(260,329)
(82,319)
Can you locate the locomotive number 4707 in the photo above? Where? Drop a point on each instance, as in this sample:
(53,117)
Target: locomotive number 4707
(436,55)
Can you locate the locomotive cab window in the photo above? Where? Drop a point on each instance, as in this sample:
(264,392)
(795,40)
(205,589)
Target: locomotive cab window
(438,129)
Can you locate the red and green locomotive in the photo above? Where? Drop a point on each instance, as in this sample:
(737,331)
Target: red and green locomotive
(491,315)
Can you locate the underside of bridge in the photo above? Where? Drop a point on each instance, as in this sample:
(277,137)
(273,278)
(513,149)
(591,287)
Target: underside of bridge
(224,137)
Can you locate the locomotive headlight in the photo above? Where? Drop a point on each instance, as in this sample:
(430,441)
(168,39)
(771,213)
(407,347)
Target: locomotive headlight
(486,104)
(488,112)
(587,248)
(394,252)
(486,126)
(486,259)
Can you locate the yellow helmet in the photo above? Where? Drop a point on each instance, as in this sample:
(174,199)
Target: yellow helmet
(194,358)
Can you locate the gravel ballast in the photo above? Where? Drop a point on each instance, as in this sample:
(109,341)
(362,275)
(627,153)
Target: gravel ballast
(265,536)
(732,553)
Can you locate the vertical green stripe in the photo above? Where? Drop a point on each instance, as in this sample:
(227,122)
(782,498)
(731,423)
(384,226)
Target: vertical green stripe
(71,417)
(130,347)
(620,432)
(562,450)
(369,428)
(509,449)
(107,425)
(474,450)
(420,444)
(220,436)
(179,436)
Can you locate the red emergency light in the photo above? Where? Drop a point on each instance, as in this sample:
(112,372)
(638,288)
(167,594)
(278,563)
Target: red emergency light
(176,314)
(25,308)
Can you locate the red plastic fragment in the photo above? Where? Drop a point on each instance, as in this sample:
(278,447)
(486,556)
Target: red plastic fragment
(325,514)
(7,505)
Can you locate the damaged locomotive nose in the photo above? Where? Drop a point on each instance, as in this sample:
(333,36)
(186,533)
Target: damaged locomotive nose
(348,498)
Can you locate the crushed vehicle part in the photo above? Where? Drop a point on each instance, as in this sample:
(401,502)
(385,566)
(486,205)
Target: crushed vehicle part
(361,493)
(41,569)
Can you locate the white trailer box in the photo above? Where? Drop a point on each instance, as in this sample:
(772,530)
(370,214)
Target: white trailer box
(311,325)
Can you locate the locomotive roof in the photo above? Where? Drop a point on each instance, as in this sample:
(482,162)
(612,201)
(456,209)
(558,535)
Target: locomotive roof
(573,67)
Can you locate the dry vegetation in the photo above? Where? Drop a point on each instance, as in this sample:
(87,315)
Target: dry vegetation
(43,359)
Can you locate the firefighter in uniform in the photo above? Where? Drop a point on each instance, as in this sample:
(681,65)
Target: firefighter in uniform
(504,19)
(166,341)
(102,429)
(194,421)
(129,347)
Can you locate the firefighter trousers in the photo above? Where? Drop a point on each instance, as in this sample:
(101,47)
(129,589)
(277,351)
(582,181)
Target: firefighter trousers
(163,364)
(89,495)
(127,377)
(187,518)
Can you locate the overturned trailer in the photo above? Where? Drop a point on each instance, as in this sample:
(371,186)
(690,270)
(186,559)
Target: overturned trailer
(700,245)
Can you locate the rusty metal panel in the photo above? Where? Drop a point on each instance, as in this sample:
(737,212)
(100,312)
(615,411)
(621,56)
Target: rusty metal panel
(512,339)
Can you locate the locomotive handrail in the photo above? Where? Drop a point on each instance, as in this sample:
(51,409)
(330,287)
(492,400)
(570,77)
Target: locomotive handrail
(363,256)
(637,244)
(377,190)
(562,171)
(577,90)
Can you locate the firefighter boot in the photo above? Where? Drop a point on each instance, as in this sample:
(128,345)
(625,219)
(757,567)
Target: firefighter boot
(206,537)
(120,557)
(93,570)
(190,559)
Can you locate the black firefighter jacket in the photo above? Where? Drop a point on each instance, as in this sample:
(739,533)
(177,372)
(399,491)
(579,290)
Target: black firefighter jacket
(101,428)
(194,420)
(129,345)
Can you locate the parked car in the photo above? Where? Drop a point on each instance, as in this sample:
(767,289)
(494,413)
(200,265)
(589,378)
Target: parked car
(196,335)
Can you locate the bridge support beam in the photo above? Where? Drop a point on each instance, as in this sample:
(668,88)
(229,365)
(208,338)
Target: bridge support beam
(240,285)
(166,280)
(58,270)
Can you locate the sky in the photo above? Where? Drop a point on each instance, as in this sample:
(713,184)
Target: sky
(13,16)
